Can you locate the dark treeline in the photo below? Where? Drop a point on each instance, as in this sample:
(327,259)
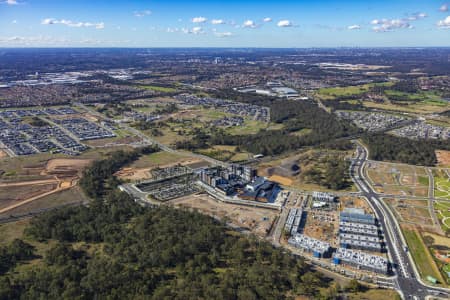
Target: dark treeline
(98,178)
(116,249)
(15,252)
(294,115)
(398,149)
(161,253)
(331,172)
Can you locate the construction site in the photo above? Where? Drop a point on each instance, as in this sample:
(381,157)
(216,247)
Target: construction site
(34,182)
(258,220)
(169,183)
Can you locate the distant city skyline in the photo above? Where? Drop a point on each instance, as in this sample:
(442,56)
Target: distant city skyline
(232,23)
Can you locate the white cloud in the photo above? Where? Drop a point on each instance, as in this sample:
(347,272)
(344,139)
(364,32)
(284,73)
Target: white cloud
(223,34)
(444,7)
(386,25)
(199,20)
(142,13)
(194,30)
(417,16)
(445,24)
(32,40)
(267,20)
(285,23)
(249,24)
(51,21)
(217,21)
(354,27)
(9,2)
(14,22)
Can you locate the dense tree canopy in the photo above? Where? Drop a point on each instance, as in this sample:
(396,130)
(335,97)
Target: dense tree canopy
(116,249)
(392,148)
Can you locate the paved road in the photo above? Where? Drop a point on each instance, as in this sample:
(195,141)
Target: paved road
(151,141)
(431,200)
(406,279)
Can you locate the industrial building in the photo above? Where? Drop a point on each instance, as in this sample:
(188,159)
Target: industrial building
(318,248)
(361,260)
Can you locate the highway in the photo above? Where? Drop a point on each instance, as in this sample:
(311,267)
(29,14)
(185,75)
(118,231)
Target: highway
(407,279)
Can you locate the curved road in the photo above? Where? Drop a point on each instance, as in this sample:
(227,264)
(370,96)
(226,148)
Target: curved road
(407,280)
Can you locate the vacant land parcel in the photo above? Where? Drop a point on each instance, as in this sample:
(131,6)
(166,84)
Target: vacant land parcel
(398,179)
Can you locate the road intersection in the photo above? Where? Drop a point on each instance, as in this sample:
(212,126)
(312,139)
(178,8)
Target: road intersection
(407,279)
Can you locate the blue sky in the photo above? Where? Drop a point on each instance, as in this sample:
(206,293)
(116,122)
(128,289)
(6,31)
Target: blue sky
(231,23)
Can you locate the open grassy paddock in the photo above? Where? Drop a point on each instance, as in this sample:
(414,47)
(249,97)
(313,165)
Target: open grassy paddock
(331,93)
(421,255)
(441,184)
(225,153)
(413,107)
(442,209)
(158,159)
(157,88)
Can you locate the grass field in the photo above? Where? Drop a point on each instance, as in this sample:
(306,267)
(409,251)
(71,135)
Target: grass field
(443,213)
(225,153)
(60,198)
(375,294)
(157,88)
(421,255)
(416,107)
(330,93)
(11,231)
(157,159)
(252,127)
(442,186)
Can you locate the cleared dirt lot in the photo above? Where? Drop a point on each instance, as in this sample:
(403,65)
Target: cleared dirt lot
(323,226)
(140,169)
(353,201)
(398,179)
(413,212)
(443,158)
(59,166)
(40,180)
(259,220)
(15,194)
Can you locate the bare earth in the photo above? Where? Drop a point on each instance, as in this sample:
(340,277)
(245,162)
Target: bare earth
(258,220)
(443,158)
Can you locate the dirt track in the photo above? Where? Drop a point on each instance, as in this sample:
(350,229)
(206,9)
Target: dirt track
(61,187)
(33,182)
